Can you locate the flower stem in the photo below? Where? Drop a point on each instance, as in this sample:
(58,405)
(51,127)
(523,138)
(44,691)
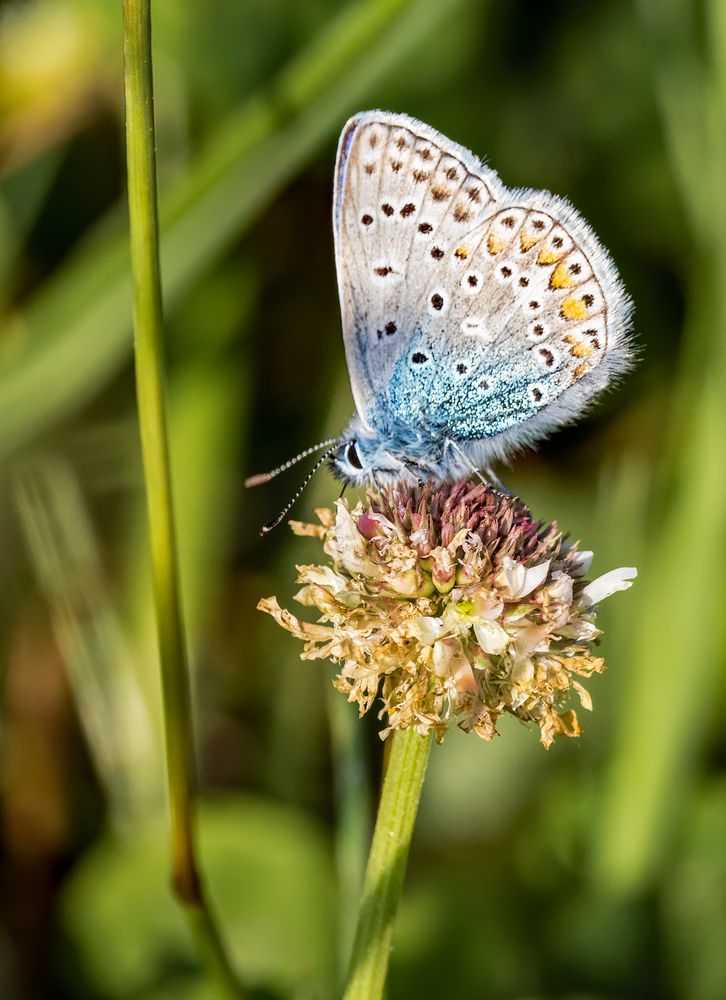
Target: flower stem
(352,827)
(387,865)
(151,399)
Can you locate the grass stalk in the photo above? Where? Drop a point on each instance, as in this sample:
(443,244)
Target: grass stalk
(151,401)
(387,865)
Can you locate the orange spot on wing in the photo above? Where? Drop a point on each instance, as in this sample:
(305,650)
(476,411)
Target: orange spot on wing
(461,252)
(561,277)
(527,241)
(580,370)
(573,308)
(580,350)
(549,256)
(494,244)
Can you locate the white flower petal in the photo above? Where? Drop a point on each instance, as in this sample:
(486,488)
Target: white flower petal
(513,576)
(420,536)
(605,585)
(516,581)
(522,671)
(491,637)
(534,578)
(426,630)
(443,657)
(581,562)
(450,662)
(579,629)
(455,621)
(561,587)
(488,606)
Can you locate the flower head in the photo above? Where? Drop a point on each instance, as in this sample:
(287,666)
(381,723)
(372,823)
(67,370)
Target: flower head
(454,605)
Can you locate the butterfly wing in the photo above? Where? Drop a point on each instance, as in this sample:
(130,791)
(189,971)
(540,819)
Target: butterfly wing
(398,184)
(483,315)
(524,323)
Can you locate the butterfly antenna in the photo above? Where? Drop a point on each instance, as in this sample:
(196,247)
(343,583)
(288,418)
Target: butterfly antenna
(266,529)
(265,477)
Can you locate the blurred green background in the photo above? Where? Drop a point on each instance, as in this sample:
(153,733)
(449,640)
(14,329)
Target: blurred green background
(596,870)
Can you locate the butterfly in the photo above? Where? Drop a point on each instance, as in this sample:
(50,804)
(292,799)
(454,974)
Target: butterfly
(476,318)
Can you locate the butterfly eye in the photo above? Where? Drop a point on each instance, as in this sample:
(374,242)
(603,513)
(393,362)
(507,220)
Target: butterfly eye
(351,454)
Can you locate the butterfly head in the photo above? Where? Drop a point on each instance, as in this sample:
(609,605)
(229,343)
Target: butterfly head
(377,457)
(365,458)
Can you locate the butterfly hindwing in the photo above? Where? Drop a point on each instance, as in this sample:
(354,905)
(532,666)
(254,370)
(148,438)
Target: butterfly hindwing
(533,326)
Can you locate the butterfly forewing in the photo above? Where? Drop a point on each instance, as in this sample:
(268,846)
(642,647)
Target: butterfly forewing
(402,189)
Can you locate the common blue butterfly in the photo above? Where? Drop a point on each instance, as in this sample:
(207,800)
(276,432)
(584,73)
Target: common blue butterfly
(476,318)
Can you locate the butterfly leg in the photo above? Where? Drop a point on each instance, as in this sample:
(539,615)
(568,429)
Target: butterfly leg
(449,443)
(494,480)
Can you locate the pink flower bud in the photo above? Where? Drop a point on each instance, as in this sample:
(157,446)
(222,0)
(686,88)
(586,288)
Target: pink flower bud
(367,525)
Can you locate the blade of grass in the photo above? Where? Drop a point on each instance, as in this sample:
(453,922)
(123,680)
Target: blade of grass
(21,198)
(148,327)
(675,650)
(112,710)
(209,399)
(78,323)
(674,677)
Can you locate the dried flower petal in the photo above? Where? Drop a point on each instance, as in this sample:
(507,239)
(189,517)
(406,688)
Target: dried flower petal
(452,604)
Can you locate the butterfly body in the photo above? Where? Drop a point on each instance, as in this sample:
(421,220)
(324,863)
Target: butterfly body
(476,318)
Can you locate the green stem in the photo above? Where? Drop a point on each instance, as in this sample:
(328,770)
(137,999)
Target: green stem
(352,826)
(151,401)
(387,865)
